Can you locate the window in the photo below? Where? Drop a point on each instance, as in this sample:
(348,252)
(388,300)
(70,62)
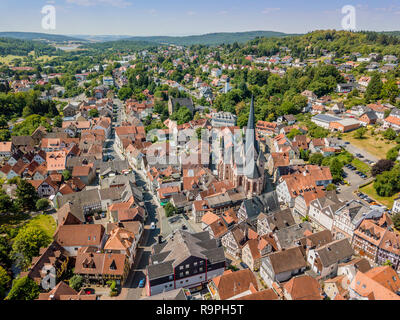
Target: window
(181,274)
(195,264)
(181,268)
(187,266)
(201,269)
(187,273)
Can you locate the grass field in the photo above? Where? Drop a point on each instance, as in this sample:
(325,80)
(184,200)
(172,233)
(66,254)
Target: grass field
(370,191)
(44,222)
(361,166)
(377,148)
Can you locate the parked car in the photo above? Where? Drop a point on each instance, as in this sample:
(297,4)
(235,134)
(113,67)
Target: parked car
(184,227)
(244,266)
(142,282)
(89,291)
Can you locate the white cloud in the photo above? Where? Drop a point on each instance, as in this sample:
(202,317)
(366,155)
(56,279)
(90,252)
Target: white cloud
(91,3)
(270,10)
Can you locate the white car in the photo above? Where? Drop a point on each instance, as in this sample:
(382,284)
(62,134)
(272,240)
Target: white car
(152,226)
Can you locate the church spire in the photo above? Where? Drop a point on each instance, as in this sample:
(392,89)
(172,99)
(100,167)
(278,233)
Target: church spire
(251,146)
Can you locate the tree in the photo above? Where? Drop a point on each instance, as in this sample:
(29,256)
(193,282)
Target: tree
(182,115)
(28,242)
(76,282)
(125,93)
(389,134)
(42,204)
(93,113)
(390,90)
(374,88)
(293,133)
(388,183)
(331,187)
(170,210)
(393,153)
(66,174)
(336,167)
(23,289)
(360,133)
(396,221)
(27,195)
(58,121)
(6,203)
(4,281)
(316,158)
(382,166)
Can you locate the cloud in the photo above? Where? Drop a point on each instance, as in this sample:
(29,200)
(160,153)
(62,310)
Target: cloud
(92,3)
(270,10)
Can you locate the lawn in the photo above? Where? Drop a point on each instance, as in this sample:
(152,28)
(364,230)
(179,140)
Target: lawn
(45,222)
(361,166)
(370,191)
(377,148)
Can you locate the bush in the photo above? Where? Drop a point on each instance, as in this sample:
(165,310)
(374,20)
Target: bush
(42,204)
(76,282)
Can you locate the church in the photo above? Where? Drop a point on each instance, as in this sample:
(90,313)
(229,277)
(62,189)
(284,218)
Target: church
(242,162)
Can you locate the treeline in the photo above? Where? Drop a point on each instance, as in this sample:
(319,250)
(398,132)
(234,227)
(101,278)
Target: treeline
(19,104)
(17,47)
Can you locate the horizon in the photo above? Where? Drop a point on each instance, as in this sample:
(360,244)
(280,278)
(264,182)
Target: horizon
(130,18)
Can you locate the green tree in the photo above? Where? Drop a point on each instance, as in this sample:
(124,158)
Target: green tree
(28,242)
(76,282)
(316,158)
(66,174)
(360,133)
(331,187)
(374,88)
(393,153)
(182,115)
(26,195)
(390,90)
(125,93)
(93,113)
(388,183)
(4,281)
(336,167)
(170,210)
(389,134)
(58,121)
(23,289)
(6,203)
(396,221)
(42,204)
(293,133)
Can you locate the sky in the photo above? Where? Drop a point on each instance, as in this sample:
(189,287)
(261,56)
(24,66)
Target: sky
(189,17)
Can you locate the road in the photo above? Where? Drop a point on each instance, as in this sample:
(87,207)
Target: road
(354,150)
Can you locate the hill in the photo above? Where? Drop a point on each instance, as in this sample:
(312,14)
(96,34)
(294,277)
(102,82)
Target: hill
(211,38)
(39,36)
(10,46)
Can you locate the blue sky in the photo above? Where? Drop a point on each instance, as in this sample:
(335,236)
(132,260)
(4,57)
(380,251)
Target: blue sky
(179,17)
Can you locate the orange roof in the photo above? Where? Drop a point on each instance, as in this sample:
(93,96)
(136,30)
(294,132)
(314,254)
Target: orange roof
(303,288)
(209,218)
(393,120)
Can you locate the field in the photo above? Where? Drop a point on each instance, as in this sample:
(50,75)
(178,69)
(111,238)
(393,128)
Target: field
(377,148)
(370,191)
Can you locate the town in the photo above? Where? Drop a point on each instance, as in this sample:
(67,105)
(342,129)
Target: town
(258,170)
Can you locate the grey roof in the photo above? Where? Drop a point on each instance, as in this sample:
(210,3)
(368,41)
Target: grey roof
(287,237)
(280,219)
(335,252)
(181,246)
(252,149)
(326,118)
(264,203)
(177,295)
(116,166)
